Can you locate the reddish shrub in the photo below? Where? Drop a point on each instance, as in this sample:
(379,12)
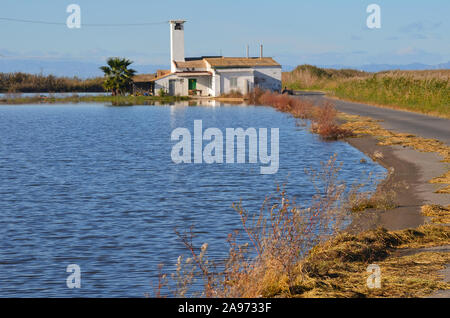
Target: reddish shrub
(326,125)
(323,118)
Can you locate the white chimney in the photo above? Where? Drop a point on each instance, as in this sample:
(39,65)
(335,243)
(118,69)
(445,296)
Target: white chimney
(176,42)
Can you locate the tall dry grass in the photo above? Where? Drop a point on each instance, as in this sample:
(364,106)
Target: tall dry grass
(312,77)
(294,251)
(421,91)
(277,237)
(426,92)
(31,83)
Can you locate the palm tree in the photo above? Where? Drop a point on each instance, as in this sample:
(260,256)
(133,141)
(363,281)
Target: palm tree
(118,77)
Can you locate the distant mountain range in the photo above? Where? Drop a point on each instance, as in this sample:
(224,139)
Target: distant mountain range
(88,69)
(383,67)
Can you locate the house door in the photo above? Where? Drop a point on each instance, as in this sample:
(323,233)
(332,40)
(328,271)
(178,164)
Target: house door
(192,84)
(247,87)
(172,87)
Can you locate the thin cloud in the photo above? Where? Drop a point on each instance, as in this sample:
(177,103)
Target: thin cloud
(355,38)
(420,26)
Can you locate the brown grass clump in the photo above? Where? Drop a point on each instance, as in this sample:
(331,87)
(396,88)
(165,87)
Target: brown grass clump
(408,276)
(338,268)
(445,190)
(233,94)
(437,213)
(384,198)
(323,118)
(445,179)
(325,123)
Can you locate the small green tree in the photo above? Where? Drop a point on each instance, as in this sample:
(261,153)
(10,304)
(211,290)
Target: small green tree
(118,77)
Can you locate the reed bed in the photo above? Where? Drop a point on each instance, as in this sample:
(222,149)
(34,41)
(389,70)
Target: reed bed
(424,94)
(128,100)
(421,91)
(31,83)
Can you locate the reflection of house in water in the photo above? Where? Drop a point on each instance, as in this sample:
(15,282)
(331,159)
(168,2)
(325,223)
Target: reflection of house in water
(211,75)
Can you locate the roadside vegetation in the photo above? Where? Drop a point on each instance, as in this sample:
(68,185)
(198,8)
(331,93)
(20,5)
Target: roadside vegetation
(32,83)
(233,94)
(382,199)
(286,250)
(309,77)
(438,213)
(421,91)
(323,117)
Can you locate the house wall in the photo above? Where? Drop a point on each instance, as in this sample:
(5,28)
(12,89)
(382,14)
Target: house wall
(215,84)
(163,83)
(268,78)
(203,84)
(182,85)
(243,77)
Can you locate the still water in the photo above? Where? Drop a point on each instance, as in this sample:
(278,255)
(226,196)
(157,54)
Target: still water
(95,185)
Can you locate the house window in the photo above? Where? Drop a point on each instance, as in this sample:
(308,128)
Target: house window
(233,82)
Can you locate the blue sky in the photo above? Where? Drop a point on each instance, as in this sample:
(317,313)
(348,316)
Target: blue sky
(321,32)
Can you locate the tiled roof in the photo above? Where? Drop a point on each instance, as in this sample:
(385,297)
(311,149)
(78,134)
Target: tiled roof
(193,73)
(143,77)
(191,64)
(162,76)
(241,62)
(161,72)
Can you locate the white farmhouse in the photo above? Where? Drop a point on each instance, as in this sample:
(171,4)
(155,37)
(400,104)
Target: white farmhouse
(213,75)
